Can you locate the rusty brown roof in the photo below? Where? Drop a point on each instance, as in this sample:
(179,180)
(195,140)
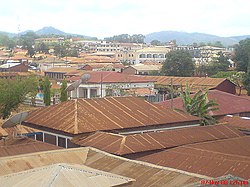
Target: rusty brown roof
(196,82)
(127,144)
(236,121)
(214,159)
(228,103)
(2,132)
(145,174)
(89,115)
(22,145)
(20,129)
(112,77)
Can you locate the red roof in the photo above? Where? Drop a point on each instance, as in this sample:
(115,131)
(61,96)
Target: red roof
(228,103)
(23,145)
(213,159)
(236,121)
(90,115)
(113,77)
(122,144)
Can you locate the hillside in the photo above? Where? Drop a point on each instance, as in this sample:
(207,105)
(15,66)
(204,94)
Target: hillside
(184,38)
(47,31)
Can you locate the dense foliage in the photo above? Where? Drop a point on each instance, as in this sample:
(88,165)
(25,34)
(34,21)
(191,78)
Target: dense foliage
(63,95)
(178,63)
(199,105)
(126,38)
(46,91)
(13,92)
(242,57)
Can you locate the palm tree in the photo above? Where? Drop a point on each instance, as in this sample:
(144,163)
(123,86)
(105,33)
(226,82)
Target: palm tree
(199,105)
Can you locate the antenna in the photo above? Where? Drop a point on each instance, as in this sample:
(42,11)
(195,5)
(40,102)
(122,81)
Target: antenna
(14,121)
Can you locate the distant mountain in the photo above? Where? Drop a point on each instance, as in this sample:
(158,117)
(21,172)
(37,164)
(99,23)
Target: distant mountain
(8,34)
(49,31)
(184,38)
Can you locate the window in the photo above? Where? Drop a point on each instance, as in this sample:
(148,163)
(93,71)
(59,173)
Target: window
(149,56)
(39,136)
(142,56)
(50,138)
(62,142)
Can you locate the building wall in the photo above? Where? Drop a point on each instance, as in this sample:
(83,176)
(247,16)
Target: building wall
(55,75)
(129,70)
(103,90)
(227,86)
(18,68)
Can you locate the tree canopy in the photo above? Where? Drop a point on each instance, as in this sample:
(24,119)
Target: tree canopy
(126,38)
(13,92)
(218,64)
(46,91)
(63,95)
(242,55)
(178,63)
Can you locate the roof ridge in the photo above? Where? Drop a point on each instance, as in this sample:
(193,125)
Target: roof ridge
(216,152)
(123,141)
(53,176)
(76,117)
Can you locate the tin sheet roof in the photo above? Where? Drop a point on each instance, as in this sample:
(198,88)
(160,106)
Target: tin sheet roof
(195,82)
(89,115)
(20,129)
(22,145)
(57,175)
(112,77)
(225,101)
(236,121)
(214,159)
(145,174)
(3,132)
(122,144)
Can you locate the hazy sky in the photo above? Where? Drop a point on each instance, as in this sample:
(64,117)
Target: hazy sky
(102,18)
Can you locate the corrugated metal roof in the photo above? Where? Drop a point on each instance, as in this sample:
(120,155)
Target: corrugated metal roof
(3,132)
(58,175)
(89,115)
(214,159)
(20,129)
(145,174)
(63,70)
(196,83)
(9,65)
(23,145)
(228,103)
(143,67)
(113,77)
(122,144)
(236,121)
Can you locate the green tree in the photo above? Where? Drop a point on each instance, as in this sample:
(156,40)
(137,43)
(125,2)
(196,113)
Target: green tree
(46,91)
(246,80)
(178,63)
(155,42)
(220,63)
(199,105)
(31,51)
(64,94)
(217,44)
(13,92)
(242,55)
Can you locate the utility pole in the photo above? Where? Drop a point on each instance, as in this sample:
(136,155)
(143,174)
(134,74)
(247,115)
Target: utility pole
(172,93)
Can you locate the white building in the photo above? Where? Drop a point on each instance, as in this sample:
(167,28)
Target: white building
(102,84)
